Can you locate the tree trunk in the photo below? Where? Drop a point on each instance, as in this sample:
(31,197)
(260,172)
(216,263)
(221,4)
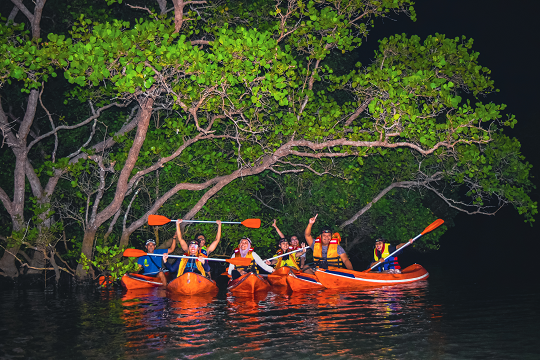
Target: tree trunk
(87,247)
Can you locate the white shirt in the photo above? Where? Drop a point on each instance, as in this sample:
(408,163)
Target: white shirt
(257,259)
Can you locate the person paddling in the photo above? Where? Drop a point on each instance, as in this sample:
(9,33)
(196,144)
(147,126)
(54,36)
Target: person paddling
(287,260)
(381,254)
(294,244)
(326,249)
(244,250)
(202,241)
(181,266)
(149,264)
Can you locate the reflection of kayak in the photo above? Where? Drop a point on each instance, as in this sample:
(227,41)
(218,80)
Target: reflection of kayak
(302,281)
(279,276)
(190,283)
(248,283)
(343,278)
(138,281)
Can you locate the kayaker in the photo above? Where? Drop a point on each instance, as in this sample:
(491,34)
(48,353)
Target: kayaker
(202,241)
(294,244)
(244,249)
(181,266)
(151,264)
(381,254)
(326,249)
(287,260)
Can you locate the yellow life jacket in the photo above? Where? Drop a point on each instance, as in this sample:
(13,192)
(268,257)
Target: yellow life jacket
(332,257)
(297,259)
(390,263)
(250,267)
(184,262)
(287,260)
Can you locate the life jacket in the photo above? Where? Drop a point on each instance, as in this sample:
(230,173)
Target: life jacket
(206,264)
(332,258)
(249,268)
(184,262)
(287,260)
(390,262)
(297,259)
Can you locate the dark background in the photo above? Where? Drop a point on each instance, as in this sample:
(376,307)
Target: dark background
(506,34)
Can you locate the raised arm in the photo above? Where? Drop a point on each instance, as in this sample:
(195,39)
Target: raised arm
(183,244)
(274,225)
(213,245)
(405,243)
(307,232)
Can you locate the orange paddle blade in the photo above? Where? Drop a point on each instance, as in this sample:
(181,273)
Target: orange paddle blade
(156,220)
(239,261)
(433,226)
(252,223)
(133,253)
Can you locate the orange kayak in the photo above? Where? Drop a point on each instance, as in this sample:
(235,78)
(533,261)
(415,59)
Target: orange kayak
(192,284)
(138,281)
(279,276)
(302,281)
(343,278)
(248,283)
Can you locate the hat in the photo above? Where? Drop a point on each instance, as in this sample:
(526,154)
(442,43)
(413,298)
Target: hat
(326,230)
(246,238)
(282,240)
(380,239)
(150,241)
(195,241)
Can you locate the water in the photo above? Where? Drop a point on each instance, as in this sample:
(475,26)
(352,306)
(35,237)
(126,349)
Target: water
(449,316)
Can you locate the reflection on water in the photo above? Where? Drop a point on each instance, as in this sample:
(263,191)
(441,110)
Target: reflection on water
(423,320)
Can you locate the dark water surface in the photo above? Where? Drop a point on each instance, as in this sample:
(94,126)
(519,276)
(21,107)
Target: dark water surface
(449,316)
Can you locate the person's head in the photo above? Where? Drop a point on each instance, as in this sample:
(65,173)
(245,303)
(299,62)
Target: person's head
(150,246)
(379,244)
(284,244)
(193,247)
(245,244)
(294,241)
(326,235)
(202,240)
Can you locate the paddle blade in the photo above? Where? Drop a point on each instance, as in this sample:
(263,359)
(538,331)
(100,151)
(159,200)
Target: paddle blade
(133,253)
(157,220)
(433,226)
(252,223)
(239,261)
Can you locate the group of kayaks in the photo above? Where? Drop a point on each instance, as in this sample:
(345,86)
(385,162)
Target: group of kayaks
(284,277)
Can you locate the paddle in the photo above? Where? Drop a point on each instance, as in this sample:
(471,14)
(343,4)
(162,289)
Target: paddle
(290,252)
(157,220)
(430,227)
(235,261)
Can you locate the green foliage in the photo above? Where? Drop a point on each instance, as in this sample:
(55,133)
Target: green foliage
(108,262)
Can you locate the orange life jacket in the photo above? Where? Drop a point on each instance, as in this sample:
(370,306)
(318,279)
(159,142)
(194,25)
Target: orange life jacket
(184,262)
(332,258)
(250,267)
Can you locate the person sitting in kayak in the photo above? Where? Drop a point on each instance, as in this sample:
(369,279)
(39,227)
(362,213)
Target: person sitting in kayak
(287,260)
(294,244)
(381,254)
(244,249)
(149,264)
(202,241)
(181,266)
(326,249)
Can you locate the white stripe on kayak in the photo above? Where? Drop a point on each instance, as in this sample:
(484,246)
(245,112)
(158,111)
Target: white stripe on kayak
(379,281)
(303,278)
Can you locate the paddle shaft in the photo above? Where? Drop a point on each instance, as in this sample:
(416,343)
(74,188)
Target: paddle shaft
(188,257)
(208,221)
(401,248)
(290,252)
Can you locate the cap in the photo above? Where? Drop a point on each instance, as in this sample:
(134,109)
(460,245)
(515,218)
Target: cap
(380,239)
(326,230)
(282,240)
(150,241)
(196,242)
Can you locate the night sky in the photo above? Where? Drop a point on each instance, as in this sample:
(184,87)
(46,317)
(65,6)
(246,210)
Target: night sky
(506,34)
